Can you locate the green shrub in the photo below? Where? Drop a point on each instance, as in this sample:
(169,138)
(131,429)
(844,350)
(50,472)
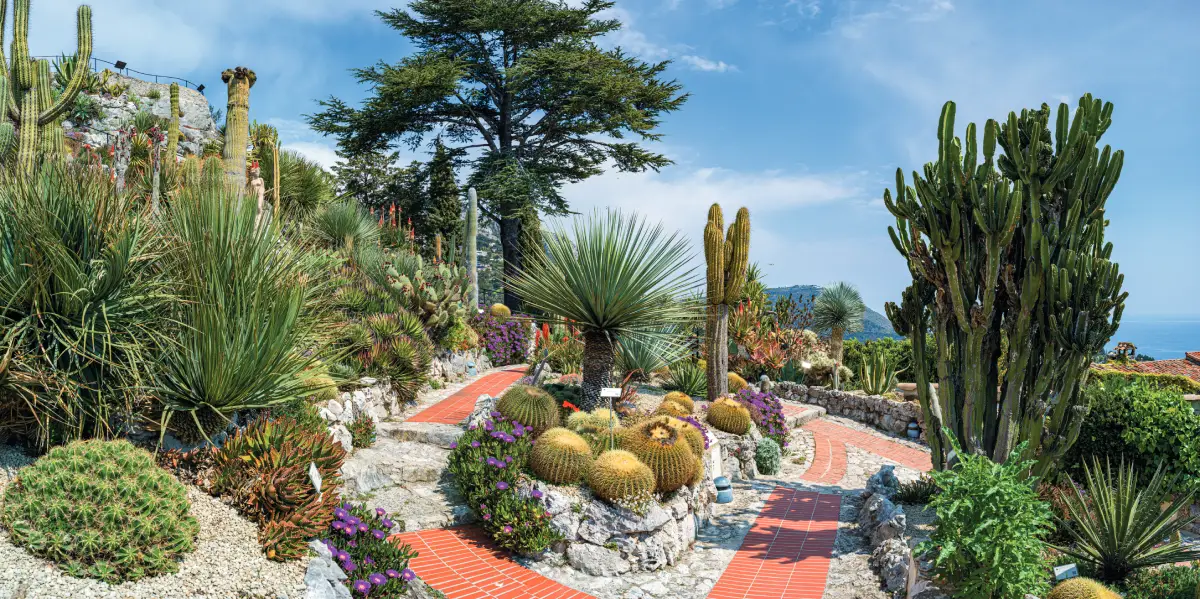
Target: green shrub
(988,540)
(304,412)
(154,94)
(1169,582)
(362,430)
(1164,382)
(563,393)
(767,456)
(485,465)
(897,352)
(100,509)
(358,540)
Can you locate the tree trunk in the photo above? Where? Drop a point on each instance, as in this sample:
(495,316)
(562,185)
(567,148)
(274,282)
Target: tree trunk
(835,345)
(598,357)
(510,243)
(718,351)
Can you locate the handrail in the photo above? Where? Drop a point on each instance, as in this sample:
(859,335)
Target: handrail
(125,71)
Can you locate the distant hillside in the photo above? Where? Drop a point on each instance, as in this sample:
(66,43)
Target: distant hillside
(875,325)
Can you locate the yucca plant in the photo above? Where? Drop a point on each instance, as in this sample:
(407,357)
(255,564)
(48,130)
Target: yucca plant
(249,315)
(840,309)
(877,375)
(1121,526)
(688,377)
(613,277)
(343,226)
(643,356)
(303,185)
(80,295)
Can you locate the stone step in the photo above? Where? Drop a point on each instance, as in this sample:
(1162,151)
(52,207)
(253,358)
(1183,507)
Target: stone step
(439,435)
(798,414)
(391,463)
(422,506)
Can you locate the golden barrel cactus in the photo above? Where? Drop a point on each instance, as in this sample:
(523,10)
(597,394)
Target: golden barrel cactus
(670,408)
(682,399)
(1081,588)
(530,406)
(729,416)
(664,449)
(560,456)
(736,382)
(617,475)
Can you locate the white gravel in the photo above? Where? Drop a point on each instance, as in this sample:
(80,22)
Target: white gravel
(226,564)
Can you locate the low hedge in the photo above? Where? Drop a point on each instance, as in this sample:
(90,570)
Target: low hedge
(1167,382)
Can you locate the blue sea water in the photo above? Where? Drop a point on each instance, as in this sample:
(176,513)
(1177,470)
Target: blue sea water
(1161,337)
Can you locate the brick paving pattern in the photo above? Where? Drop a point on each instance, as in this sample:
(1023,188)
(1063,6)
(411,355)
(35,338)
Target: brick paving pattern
(829,451)
(457,407)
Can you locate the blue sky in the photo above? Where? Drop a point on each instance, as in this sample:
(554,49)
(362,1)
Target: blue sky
(800,109)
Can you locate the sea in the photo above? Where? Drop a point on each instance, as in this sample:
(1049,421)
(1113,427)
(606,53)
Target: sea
(1161,337)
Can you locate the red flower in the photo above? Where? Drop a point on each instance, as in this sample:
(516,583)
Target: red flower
(570,406)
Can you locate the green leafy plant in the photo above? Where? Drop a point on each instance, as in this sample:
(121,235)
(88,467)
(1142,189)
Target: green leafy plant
(100,509)
(1120,526)
(375,565)
(688,377)
(643,357)
(876,375)
(988,540)
(343,226)
(85,110)
(1168,582)
(921,490)
(486,465)
(767,456)
(613,277)
(362,430)
(154,94)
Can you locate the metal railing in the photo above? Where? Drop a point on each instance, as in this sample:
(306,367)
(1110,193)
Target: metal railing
(96,62)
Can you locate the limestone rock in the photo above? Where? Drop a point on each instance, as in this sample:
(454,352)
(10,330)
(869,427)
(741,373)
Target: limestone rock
(323,578)
(597,561)
(883,482)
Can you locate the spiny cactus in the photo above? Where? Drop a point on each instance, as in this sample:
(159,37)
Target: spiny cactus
(618,475)
(736,382)
(664,449)
(560,456)
(435,292)
(237,123)
(670,408)
(727,256)
(472,252)
(530,406)
(1081,588)
(682,399)
(698,474)
(501,312)
(1011,249)
(767,456)
(25,90)
(173,128)
(729,416)
(597,420)
(100,509)
(693,435)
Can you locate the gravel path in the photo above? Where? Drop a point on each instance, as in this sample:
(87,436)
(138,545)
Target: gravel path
(226,564)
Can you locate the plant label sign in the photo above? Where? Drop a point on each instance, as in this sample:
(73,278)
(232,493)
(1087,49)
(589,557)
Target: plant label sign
(610,392)
(315,476)
(1066,571)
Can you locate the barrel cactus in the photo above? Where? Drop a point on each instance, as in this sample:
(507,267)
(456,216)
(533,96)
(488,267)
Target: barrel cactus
(736,382)
(1081,588)
(682,399)
(693,435)
(500,312)
(100,509)
(618,475)
(530,406)
(698,474)
(670,408)
(560,456)
(729,416)
(664,449)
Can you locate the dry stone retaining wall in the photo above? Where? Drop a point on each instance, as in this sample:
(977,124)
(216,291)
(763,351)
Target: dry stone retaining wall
(880,412)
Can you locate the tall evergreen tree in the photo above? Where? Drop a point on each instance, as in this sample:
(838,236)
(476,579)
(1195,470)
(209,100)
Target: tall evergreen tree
(444,210)
(524,81)
(367,177)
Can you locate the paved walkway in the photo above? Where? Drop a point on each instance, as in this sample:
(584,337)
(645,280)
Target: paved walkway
(829,451)
(786,553)
(462,563)
(457,407)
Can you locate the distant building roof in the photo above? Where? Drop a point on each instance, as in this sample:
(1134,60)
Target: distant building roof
(1189,366)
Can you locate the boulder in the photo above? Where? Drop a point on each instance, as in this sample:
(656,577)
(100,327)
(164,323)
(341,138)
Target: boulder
(597,561)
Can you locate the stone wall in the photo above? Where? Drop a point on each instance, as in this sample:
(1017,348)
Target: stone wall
(880,412)
(196,124)
(453,367)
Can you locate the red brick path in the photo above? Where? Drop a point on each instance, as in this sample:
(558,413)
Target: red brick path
(829,459)
(786,553)
(457,407)
(462,563)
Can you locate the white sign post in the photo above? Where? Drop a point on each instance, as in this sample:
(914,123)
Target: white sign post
(1064,572)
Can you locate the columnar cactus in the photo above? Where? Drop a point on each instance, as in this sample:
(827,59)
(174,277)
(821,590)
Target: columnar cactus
(237,123)
(727,256)
(1010,250)
(25,93)
(173,127)
(472,254)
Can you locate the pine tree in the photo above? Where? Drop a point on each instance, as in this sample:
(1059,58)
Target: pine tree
(444,207)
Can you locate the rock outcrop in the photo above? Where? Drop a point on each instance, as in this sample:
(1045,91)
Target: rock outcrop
(196,125)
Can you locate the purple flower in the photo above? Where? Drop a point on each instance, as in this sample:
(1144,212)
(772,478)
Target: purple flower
(408,574)
(507,529)
(352,543)
(508,459)
(340,513)
(368,561)
(380,512)
(491,461)
(500,464)
(494,414)
(349,566)
(502,485)
(377,579)
(487,426)
(343,556)
(388,524)
(454,445)
(378,534)
(536,494)
(362,527)
(338,525)
(362,586)
(393,574)
(482,507)
(353,521)
(474,443)
(487,516)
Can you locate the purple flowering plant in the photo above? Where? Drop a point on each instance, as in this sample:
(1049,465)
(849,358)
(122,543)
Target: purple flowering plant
(487,468)
(767,412)
(506,342)
(377,567)
(692,420)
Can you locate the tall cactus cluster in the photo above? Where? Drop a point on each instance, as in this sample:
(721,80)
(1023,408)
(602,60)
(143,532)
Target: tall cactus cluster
(727,254)
(237,123)
(173,127)
(35,128)
(434,292)
(1009,252)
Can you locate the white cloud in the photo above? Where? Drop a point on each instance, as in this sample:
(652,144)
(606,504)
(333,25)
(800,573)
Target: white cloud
(700,63)
(323,154)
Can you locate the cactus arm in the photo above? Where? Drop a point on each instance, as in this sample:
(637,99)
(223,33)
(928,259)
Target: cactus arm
(173,127)
(83,57)
(27,134)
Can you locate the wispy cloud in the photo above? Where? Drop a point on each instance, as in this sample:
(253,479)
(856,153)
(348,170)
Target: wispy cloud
(699,63)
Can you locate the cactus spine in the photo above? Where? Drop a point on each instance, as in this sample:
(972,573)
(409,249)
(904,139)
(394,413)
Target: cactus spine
(173,127)
(237,124)
(618,475)
(530,406)
(472,239)
(25,94)
(1010,249)
(727,255)
(664,449)
(682,399)
(560,456)
(729,416)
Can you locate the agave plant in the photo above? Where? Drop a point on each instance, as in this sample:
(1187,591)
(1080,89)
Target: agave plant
(877,375)
(248,315)
(688,377)
(1120,527)
(80,292)
(643,356)
(614,278)
(344,226)
(303,185)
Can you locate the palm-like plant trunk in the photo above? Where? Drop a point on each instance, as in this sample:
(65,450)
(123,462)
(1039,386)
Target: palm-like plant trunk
(835,344)
(598,359)
(718,351)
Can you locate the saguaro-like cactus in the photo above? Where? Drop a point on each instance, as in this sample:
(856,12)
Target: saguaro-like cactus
(173,127)
(727,256)
(237,123)
(472,254)
(1012,251)
(25,93)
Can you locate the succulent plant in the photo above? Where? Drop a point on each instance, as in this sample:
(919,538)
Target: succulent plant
(682,399)
(698,475)
(693,435)
(500,312)
(726,256)
(560,456)
(1081,588)
(531,407)
(237,123)
(736,382)
(100,509)
(434,292)
(598,420)
(729,416)
(362,430)
(618,474)
(670,408)
(664,449)
(767,456)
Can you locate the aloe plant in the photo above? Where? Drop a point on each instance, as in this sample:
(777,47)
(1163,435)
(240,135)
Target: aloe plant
(877,375)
